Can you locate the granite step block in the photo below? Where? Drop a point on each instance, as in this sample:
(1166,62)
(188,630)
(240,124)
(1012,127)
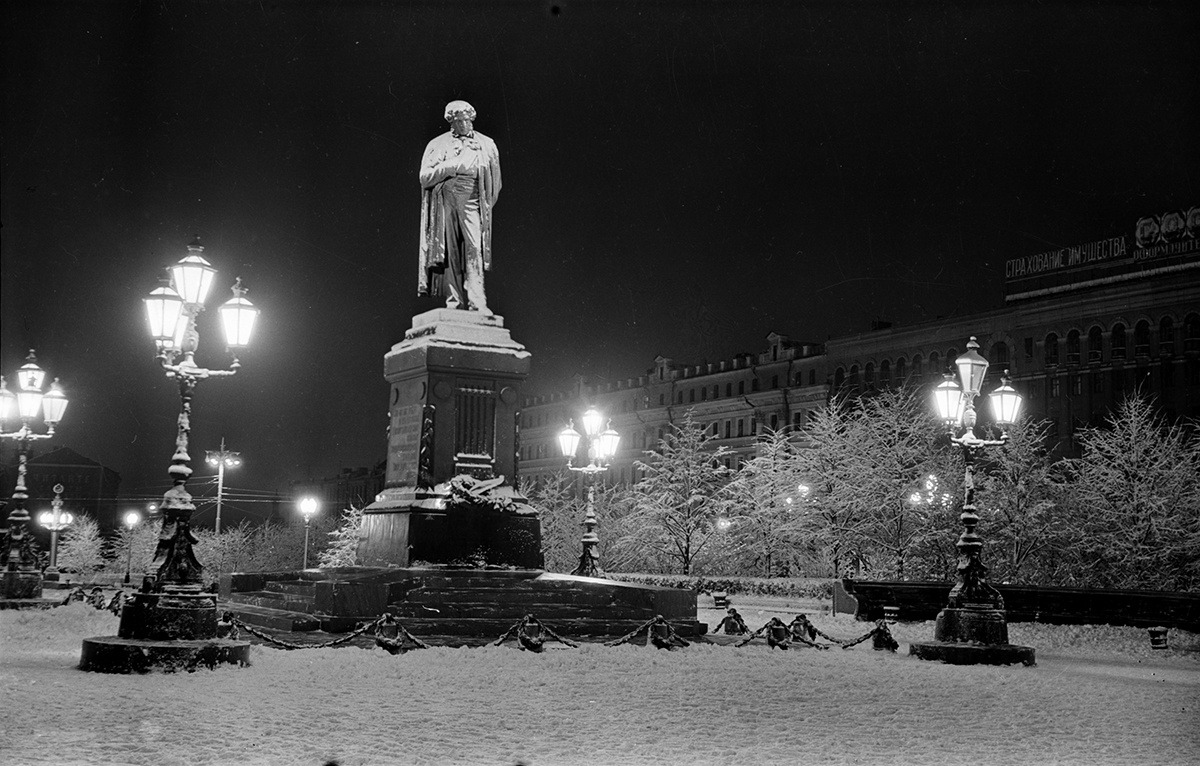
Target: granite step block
(271,600)
(274,619)
(295,587)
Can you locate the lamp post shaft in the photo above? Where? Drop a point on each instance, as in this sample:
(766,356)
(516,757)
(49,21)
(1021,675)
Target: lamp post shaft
(220,487)
(128,554)
(175,562)
(54,549)
(20,557)
(306,523)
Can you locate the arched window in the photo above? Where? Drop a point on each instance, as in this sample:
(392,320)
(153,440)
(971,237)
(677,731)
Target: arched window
(869,375)
(1191,333)
(935,364)
(917,367)
(853,381)
(900,371)
(1095,345)
(885,374)
(1141,338)
(839,378)
(1118,341)
(1051,349)
(1073,347)
(1166,337)
(1000,354)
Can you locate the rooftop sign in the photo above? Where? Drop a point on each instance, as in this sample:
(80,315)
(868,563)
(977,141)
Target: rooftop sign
(1157,244)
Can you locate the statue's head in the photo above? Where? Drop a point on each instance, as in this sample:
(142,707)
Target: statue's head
(461,116)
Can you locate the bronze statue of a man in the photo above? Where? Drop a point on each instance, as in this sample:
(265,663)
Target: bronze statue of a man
(460,181)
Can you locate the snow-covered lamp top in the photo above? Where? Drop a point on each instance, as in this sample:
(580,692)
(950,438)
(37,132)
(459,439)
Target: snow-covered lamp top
(972,368)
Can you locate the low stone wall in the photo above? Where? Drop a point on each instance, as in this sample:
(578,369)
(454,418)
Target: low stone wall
(1023,603)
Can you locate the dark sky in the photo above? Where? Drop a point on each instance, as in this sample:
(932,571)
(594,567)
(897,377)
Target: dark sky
(679,179)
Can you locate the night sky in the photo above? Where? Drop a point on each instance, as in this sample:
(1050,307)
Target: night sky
(679,179)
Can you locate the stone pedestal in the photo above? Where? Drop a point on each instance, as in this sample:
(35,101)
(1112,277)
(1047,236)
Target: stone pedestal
(972,637)
(454,398)
(164,631)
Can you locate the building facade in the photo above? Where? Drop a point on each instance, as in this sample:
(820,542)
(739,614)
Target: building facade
(88,486)
(1081,327)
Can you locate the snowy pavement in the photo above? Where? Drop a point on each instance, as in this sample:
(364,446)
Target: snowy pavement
(1098,696)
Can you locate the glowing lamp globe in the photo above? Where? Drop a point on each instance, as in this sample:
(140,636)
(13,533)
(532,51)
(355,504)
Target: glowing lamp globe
(606,444)
(8,400)
(308,507)
(592,422)
(164,310)
(1006,402)
(238,316)
(568,441)
(193,276)
(946,397)
(54,404)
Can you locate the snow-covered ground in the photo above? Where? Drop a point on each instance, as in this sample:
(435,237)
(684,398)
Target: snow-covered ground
(1099,695)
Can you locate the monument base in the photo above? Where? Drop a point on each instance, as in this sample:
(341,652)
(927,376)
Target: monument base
(458,601)
(407,526)
(972,637)
(20,585)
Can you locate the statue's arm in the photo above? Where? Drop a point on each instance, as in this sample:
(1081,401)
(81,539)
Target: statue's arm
(436,167)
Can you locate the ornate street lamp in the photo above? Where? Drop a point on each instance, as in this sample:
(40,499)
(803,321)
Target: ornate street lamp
(601,448)
(21,578)
(222,458)
(972,629)
(308,507)
(175,567)
(55,520)
(131,519)
(172,620)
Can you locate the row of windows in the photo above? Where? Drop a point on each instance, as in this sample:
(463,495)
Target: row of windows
(1119,341)
(1122,379)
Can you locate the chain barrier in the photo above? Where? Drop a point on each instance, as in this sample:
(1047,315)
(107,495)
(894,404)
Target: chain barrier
(528,631)
(229,618)
(883,639)
(662,635)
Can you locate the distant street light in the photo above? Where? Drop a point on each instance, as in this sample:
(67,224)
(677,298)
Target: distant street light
(308,507)
(131,519)
(222,458)
(21,578)
(972,628)
(172,311)
(601,448)
(55,520)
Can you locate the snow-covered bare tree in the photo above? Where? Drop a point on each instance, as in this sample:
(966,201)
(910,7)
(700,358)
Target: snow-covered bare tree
(1136,501)
(833,527)
(1022,528)
(81,549)
(898,448)
(135,548)
(342,547)
(560,510)
(765,505)
(676,503)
